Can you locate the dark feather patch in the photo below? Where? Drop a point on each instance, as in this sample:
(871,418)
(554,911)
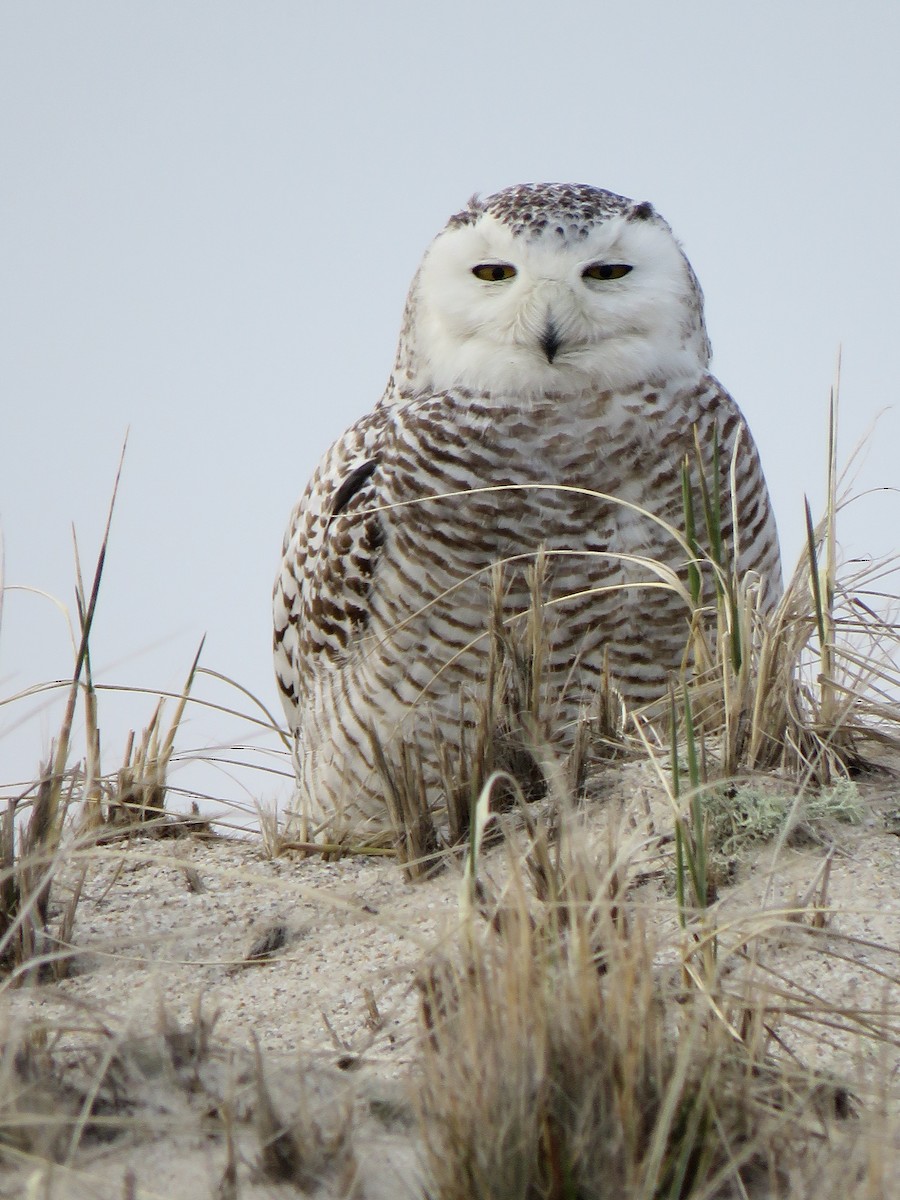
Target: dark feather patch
(352,484)
(642,212)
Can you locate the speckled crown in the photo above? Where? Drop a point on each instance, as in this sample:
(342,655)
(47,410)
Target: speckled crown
(530,209)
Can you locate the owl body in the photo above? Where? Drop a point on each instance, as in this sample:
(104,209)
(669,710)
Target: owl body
(543,401)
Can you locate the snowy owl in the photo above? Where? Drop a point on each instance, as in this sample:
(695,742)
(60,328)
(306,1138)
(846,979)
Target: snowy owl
(551,379)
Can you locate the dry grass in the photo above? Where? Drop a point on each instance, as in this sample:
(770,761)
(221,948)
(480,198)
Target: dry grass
(563,1061)
(583,1033)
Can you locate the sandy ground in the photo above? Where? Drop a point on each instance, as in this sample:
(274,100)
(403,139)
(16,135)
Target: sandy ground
(315,963)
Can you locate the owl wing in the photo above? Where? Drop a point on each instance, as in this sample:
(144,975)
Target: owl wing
(748,518)
(330,552)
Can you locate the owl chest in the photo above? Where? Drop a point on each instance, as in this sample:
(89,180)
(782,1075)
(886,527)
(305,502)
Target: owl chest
(583,486)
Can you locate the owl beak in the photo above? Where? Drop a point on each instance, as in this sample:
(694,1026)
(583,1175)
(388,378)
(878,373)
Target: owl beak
(550,340)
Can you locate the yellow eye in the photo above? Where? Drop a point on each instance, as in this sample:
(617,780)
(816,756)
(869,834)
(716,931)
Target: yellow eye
(494,272)
(605,271)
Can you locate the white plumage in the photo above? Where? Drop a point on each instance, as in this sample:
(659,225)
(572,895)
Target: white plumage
(553,338)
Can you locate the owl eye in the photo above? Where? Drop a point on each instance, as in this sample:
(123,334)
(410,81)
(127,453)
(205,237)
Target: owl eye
(494,272)
(605,271)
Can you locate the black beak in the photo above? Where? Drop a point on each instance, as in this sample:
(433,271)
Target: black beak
(550,341)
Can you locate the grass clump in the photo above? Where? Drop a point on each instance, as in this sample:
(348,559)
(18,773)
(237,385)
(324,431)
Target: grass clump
(27,869)
(560,1061)
(33,829)
(809,688)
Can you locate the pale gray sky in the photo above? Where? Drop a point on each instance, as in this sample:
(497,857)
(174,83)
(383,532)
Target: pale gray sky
(210,213)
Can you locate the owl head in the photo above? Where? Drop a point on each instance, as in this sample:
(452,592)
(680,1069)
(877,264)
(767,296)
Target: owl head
(551,289)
